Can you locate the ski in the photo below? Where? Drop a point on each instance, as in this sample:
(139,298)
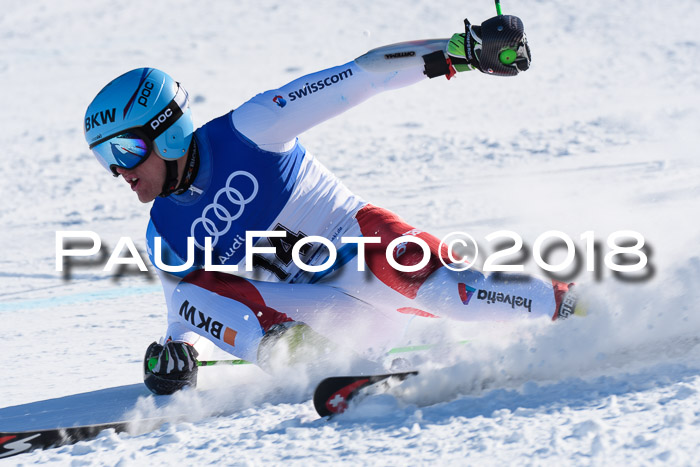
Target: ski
(332,395)
(19,442)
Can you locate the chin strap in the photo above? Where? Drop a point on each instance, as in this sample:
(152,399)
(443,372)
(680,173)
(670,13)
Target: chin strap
(170,184)
(192,167)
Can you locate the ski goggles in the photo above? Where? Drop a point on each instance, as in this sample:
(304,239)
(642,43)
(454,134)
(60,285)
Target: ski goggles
(126,150)
(132,146)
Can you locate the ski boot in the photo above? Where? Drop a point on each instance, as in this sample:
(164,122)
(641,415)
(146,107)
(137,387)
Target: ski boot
(568,303)
(291,343)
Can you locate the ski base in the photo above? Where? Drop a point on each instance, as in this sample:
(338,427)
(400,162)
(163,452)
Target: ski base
(19,442)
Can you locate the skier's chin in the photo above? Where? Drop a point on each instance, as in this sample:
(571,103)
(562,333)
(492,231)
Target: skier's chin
(145,197)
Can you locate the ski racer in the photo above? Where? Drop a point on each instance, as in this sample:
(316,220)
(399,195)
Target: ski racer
(245,173)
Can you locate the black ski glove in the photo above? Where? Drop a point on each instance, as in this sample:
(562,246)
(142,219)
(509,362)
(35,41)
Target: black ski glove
(170,368)
(499,47)
(175,358)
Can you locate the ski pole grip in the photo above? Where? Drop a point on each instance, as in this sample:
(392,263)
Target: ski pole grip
(502,36)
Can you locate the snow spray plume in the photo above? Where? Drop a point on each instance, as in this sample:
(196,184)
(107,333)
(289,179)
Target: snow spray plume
(628,331)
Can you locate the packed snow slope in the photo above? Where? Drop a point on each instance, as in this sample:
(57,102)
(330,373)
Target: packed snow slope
(600,135)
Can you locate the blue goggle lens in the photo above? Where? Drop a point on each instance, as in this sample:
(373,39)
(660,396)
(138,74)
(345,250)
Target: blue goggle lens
(126,150)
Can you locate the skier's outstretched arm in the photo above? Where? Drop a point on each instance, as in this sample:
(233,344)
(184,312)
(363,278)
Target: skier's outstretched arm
(273,119)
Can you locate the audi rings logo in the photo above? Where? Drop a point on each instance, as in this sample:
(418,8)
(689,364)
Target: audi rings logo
(227,211)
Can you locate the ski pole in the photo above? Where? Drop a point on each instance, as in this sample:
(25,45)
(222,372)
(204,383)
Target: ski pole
(236,361)
(395,350)
(416,348)
(508,55)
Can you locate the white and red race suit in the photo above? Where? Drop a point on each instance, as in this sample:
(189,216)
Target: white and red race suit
(254,176)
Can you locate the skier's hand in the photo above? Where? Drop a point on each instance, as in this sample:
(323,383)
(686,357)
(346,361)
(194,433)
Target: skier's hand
(174,358)
(170,367)
(499,47)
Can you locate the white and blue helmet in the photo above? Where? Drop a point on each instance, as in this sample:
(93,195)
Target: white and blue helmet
(140,111)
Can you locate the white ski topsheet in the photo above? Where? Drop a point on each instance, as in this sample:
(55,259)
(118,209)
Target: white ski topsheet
(598,136)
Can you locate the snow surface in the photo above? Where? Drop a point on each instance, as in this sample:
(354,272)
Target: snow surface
(600,135)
